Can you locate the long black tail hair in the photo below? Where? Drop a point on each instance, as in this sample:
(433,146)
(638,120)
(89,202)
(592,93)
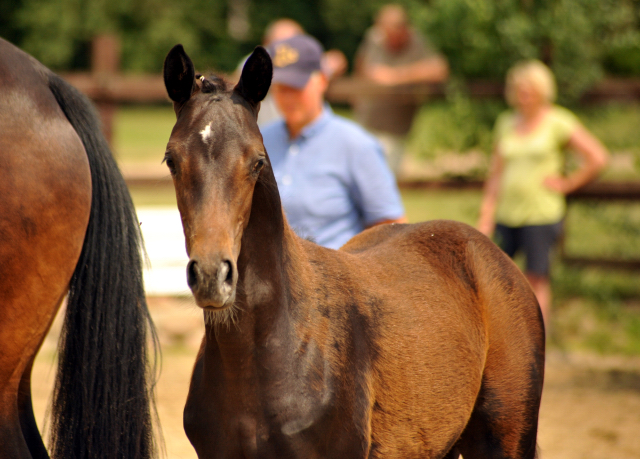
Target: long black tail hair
(103,396)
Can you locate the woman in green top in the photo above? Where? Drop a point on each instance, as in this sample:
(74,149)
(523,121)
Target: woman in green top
(524,194)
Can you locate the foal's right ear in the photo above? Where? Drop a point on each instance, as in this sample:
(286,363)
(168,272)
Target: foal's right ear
(179,76)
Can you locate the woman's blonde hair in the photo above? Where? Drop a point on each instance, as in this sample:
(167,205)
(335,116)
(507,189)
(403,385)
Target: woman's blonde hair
(535,73)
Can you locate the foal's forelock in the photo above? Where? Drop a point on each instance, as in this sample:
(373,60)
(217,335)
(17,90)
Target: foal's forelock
(212,85)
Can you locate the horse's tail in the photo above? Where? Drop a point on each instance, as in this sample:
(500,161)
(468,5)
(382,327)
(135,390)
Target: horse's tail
(103,398)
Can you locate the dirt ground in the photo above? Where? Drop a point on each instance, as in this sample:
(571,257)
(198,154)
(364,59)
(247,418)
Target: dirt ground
(590,406)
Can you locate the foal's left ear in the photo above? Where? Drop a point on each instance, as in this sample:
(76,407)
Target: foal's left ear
(179,75)
(256,77)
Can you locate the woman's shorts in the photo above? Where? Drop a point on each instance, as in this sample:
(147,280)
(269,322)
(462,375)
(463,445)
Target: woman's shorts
(535,241)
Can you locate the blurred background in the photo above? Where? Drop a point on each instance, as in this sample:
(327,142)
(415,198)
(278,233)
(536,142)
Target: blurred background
(113,50)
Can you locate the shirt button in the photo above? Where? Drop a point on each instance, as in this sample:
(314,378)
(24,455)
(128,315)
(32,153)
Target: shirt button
(286,180)
(294,150)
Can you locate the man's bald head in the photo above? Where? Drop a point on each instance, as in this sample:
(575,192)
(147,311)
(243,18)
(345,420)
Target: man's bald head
(393,22)
(281,29)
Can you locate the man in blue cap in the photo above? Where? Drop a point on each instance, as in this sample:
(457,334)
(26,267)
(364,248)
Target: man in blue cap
(332,175)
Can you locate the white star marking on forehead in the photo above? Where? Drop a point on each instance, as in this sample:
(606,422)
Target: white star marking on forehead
(206,133)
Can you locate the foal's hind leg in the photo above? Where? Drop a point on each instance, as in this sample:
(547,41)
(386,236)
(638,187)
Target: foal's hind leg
(503,425)
(504,421)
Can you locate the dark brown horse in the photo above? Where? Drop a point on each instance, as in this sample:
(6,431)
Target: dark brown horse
(412,341)
(67,226)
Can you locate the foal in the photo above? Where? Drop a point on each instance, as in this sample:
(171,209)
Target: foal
(412,341)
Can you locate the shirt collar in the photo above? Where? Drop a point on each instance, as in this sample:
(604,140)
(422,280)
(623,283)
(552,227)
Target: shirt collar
(318,124)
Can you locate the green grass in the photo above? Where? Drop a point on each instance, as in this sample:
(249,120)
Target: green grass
(162,195)
(616,124)
(603,229)
(141,132)
(460,205)
(596,309)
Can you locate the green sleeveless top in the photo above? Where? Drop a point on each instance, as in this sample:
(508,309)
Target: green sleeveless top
(529,159)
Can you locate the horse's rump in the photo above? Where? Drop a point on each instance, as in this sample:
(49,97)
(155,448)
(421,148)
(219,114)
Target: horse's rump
(67,223)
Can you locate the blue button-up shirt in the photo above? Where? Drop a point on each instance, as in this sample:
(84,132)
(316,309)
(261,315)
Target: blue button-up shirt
(333,179)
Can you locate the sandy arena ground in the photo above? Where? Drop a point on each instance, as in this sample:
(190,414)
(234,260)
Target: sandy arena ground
(590,406)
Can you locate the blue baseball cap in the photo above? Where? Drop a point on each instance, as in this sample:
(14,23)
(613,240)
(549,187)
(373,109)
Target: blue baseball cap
(295,59)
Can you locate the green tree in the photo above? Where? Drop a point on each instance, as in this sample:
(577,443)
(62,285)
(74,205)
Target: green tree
(577,38)
(58,32)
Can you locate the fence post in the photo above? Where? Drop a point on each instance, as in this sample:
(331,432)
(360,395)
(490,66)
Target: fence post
(105,64)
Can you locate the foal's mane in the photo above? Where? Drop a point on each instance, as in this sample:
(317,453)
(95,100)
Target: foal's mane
(213,85)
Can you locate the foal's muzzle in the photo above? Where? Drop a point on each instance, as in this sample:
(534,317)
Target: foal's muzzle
(213,284)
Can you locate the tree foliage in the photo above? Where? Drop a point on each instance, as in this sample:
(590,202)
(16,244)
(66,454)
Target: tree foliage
(580,39)
(58,32)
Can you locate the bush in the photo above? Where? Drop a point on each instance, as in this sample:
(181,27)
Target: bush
(456,124)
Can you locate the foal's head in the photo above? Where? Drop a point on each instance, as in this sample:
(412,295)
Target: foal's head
(216,156)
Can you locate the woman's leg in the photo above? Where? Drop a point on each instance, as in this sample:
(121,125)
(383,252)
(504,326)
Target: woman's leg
(538,242)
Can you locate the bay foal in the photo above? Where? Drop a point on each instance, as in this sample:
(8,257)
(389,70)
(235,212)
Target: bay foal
(412,341)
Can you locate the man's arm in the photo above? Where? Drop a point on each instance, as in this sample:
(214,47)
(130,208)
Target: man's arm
(402,219)
(433,69)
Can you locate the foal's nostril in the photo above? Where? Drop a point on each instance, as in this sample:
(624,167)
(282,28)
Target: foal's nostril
(192,274)
(225,274)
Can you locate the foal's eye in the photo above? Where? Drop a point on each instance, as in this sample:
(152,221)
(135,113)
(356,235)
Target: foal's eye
(259,165)
(169,162)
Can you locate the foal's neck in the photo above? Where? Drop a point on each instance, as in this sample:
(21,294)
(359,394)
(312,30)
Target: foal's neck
(262,261)
(272,334)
